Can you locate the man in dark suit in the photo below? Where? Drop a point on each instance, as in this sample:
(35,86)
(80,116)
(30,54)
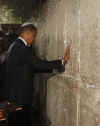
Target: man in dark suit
(21,66)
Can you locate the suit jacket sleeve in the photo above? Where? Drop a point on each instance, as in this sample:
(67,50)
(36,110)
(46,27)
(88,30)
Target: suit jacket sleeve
(46,66)
(22,56)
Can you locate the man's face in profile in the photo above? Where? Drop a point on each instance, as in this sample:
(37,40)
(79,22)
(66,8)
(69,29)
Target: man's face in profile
(32,36)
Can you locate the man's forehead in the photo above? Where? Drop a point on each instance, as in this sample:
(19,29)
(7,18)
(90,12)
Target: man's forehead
(32,32)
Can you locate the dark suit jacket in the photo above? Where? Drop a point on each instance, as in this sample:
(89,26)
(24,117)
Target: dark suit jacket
(21,66)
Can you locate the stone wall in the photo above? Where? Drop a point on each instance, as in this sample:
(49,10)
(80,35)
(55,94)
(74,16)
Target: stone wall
(90,62)
(7,16)
(73,97)
(59,28)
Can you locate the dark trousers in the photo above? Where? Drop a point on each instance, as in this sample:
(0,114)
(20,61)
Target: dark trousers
(21,118)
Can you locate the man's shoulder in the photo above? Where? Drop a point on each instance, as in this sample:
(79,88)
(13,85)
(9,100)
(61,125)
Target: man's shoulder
(16,46)
(18,42)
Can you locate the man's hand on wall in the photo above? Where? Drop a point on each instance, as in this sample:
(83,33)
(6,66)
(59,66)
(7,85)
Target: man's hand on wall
(67,54)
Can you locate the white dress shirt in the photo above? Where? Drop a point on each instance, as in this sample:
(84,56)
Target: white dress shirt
(23,40)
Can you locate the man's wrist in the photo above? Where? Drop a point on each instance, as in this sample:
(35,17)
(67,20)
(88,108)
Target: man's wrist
(62,61)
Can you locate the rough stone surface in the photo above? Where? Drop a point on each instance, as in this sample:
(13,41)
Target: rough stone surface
(61,27)
(73,97)
(7,16)
(90,62)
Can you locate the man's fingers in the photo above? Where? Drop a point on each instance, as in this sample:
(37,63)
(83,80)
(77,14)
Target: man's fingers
(67,53)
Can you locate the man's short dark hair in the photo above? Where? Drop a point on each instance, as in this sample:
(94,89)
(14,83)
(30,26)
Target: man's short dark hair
(26,27)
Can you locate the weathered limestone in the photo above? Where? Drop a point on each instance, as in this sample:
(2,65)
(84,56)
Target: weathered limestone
(73,97)
(7,16)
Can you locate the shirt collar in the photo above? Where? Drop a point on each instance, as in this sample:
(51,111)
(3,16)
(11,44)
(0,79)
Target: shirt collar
(23,40)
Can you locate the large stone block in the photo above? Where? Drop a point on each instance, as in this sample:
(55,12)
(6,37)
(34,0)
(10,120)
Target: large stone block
(73,97)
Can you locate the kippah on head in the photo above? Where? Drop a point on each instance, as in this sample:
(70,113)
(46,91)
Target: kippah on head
(28,26)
